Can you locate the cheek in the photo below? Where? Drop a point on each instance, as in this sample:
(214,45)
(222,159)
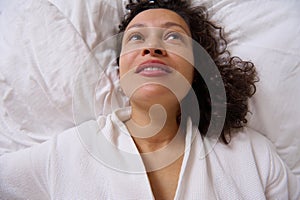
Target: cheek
(186,69)
(127,62)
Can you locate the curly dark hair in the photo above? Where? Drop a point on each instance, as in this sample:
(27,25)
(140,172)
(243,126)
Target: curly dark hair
(238,76)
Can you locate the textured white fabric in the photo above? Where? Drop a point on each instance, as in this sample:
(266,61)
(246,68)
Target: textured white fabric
(69,167)
(43,46)
(40,55)
(44,43)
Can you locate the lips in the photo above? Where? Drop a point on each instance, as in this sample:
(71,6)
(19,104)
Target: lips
(153,69)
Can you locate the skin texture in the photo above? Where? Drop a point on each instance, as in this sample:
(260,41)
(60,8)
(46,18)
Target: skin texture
(151,37)
(143,43)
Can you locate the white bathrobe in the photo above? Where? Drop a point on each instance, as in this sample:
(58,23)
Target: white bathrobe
(99,160)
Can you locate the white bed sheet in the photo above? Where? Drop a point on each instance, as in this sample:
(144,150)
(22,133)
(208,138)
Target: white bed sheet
(45,43)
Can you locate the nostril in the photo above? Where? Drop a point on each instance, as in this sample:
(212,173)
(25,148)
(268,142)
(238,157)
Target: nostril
(146,51)
(158,51)
(154,52)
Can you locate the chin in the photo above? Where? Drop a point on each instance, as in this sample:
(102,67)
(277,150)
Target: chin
(153,90)
(154,94)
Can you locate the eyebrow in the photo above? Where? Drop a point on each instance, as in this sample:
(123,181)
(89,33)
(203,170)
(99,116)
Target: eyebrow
(165,25)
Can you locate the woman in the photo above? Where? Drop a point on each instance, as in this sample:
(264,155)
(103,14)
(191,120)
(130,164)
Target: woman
(160,155)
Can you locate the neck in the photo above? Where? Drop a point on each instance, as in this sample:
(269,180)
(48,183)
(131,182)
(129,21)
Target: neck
(152,127)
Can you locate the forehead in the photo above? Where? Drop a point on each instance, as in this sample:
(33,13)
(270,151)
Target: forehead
(158,18)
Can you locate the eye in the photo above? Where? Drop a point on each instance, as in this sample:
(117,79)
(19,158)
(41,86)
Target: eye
(174,36)
(135,37)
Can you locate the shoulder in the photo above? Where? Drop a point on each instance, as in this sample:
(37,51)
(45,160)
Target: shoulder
(249,147)
(251,154)
(248,141)
(28,173)
(260,145)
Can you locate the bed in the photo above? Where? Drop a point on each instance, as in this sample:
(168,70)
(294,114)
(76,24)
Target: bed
(47,44)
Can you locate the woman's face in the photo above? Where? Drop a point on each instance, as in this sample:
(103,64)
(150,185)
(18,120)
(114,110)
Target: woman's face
(156,45)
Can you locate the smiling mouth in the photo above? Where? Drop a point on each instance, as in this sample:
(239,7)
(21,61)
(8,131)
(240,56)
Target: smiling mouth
(153,70)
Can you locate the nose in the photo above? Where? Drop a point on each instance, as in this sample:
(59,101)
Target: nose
(154,52)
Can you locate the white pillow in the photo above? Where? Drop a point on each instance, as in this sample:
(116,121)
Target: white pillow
(43,45)
(268,34)
(94,20)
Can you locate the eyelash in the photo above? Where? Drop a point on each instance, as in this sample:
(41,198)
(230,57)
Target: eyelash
(131,36)
(177,36)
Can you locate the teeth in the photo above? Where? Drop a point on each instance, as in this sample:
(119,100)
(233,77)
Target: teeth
(153,69)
